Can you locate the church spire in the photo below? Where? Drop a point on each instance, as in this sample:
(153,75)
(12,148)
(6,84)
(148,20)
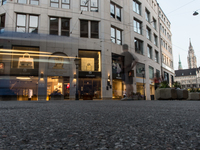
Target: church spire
(192,61)
(179,64)
(190,44)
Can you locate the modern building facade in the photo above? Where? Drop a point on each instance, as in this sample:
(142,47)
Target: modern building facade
(166,47)
(40,39)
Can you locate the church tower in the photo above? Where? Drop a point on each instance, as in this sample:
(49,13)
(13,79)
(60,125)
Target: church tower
(192,62)
(179,64)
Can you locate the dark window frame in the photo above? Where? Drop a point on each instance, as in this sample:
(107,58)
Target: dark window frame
(115,39)
(65,4)
(53,30)
(53,2)
(139,47)
(135,4)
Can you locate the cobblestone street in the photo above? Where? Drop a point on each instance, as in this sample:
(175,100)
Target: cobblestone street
(100,125)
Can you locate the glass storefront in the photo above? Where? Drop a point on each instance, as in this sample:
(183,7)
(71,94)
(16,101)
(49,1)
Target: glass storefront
(57,85)
(117,89)
(140,88)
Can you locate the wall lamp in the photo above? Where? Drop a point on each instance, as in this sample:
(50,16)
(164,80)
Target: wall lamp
(108,83)
(42,75)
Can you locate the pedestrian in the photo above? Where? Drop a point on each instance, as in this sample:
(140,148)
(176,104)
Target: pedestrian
(128,63)
(156,80)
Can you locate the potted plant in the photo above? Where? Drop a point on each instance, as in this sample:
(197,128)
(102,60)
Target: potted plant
(164,92)
(56,95)
(181,93)
(194,94)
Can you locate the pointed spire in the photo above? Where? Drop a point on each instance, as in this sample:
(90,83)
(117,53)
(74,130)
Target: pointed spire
(190,43)
(179,64)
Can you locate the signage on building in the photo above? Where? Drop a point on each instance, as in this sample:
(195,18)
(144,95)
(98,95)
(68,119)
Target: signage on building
(86,74)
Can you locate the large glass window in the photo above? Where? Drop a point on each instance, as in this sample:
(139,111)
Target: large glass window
(139,67)
(149,51)
(151,72)
(34,2)
(138,46)
(21,23)
(116,35)
(136,7)
(137,26)
(33,24)
(112,10)
(22,1)
(91,5)
(53,26)
(115,11)
(2,23)
(94,29)
(84,28)
(54,3)
(90,60)
(65,27)
(65,4)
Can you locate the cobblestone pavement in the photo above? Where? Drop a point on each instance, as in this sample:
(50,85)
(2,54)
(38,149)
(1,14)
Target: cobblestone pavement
(100,125)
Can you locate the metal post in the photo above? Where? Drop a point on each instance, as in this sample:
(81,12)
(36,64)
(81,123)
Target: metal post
(143,87)
(76,95)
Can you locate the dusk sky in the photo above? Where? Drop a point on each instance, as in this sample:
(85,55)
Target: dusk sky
(183,27)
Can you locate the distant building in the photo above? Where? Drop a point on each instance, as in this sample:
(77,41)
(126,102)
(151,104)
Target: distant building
(192,62)
(179,64)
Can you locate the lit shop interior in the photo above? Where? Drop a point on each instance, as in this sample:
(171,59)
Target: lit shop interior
(89,74)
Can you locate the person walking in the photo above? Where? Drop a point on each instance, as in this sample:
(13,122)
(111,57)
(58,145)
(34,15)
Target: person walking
(128,63)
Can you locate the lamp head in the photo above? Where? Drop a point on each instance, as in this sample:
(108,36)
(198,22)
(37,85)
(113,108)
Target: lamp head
(195,13)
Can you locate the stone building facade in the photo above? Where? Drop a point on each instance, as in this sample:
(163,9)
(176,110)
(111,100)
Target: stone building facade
(41,38)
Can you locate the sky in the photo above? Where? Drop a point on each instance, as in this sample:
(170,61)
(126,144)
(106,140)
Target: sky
(183,27)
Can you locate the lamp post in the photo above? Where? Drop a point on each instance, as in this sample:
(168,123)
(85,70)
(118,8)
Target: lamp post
(143,74)
(77,62)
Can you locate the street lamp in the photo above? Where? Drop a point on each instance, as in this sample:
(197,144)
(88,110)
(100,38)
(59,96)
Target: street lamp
(77,62)
(195,13)
(143,74)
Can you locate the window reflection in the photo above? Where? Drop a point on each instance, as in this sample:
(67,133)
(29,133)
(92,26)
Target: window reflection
(54,26)
(34,2)
(22,1)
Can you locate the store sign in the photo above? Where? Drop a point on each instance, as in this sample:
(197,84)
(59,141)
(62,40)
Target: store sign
(2,66)
(86,74)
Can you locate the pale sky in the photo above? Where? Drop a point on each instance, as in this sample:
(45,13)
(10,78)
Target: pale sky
(183,26)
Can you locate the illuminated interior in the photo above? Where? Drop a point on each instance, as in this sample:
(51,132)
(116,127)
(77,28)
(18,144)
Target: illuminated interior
(117,89)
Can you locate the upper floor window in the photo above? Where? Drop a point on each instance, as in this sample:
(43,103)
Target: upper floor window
(94,29)
(2,23)
(149,51)
(156,56)
(148,33)
(91,5)
(23,20)
(116,35)
(114,8)
(136,7)
(154,23)
(56,29)
(138,46)
(34,2)
(54,3)
(137,26)
(155,40)
(147,15)
(151,72)
(65,4)
(3,2)
(22,1)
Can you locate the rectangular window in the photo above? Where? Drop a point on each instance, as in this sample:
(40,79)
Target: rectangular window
(138,46)
(149,51)
(112,10)
(156,56)
(65,4)
(84,5)
(22,1)
(33,24)
(139,68)
(137,26)
(155,40)
(148,33)
(147,15)
(137,7)
(64,27)
(2,23)
(94,5)
(94,29)
(157,73)
(34,2)
(21,23)
(116,35)
(84,28)
(54,3)
(154,23)
(53,26)
(118,13)
(151,72)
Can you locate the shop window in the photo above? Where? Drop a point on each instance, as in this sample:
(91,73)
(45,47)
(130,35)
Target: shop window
(34,2)
(139,68)
(140,88)
(22,1)
(117,89)
(138,46)
(2,23)
(90,61)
